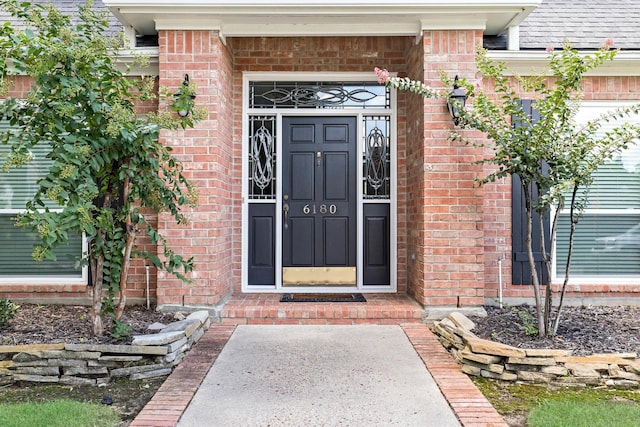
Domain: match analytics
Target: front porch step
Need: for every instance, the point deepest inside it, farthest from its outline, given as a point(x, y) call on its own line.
point(387, 309)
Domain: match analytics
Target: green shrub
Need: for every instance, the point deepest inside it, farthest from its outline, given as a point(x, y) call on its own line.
point(120, 330)
point(7, 310)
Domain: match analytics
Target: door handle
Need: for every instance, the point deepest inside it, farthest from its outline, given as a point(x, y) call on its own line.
point(285, 209)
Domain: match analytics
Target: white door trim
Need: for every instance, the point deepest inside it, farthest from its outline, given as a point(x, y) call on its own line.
point(350, 112)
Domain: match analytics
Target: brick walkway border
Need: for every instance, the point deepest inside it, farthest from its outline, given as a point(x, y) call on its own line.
point(469, 404)
point(172, 398)
point(175, 394)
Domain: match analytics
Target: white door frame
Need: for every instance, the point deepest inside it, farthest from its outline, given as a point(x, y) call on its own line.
point(359, 113)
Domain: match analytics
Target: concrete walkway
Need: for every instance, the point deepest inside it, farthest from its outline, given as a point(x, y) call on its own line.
point(362, 375)
point(359, 375)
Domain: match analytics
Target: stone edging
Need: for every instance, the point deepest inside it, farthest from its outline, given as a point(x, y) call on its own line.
point(148, 356)
point(489, 359)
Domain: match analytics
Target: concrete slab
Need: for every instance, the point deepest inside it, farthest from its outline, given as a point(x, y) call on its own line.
point(318, 376)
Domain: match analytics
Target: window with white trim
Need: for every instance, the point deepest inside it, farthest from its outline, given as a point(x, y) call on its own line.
point(17, 187)
point(607, 240)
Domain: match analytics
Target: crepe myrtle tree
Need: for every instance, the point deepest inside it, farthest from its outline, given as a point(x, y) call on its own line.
point(554, 156)
point(107, 166)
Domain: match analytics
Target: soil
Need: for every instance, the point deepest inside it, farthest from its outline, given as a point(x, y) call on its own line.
point(585, 330)
point(50, 324)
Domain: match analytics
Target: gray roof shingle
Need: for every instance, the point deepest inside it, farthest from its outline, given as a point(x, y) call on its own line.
point(585, 23)
point(68, 7)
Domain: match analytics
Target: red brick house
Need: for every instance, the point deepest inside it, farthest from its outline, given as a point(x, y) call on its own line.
point(314, 178)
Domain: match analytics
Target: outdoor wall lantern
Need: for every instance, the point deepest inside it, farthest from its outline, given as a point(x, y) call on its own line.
point(184, 99)
point(456, 101)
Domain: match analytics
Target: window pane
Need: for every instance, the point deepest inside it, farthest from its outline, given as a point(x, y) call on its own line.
point(616, 184)
point(262, 157)
point(376, 161)
point(18, 185)
point(606, 245)
point(16, 247)
point(607, 241)
point(318, 95)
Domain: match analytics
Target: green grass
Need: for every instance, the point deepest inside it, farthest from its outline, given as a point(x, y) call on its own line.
point(573, 413)
point(58, 413)
point(519, 400)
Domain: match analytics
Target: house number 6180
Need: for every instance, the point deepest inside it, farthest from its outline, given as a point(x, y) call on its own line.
point(311, 209)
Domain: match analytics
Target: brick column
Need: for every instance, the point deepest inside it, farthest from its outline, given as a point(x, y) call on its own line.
point(446, 207)
point(206, 153)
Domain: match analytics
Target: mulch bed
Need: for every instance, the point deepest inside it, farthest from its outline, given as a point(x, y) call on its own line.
point(585, 330)
point(51, 324)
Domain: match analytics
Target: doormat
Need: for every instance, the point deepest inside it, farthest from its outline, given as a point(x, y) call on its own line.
point(322, 298)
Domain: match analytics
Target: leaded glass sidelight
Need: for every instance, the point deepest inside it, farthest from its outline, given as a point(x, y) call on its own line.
point(262, 157)
point(376, 161)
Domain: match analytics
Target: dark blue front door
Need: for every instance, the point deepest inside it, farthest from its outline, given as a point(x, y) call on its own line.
point(319, 200)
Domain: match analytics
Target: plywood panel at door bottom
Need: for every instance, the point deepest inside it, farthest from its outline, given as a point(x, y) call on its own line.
point(320, 276)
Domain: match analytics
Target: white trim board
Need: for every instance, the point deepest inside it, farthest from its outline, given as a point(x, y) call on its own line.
point(279, 113)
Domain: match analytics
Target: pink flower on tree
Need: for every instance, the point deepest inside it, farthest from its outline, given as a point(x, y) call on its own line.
point(549, 49)
point(608, 43)
point(383, 75)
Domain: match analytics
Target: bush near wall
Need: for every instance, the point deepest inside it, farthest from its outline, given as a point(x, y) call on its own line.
point(489, 359)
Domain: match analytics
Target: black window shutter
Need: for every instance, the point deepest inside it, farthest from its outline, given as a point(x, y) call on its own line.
point(520, 263)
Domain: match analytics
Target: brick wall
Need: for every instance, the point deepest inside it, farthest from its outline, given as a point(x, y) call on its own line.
point(322, 54)
point(414, 172)
point(452, 236)
point(207, 155)
point(450, 232)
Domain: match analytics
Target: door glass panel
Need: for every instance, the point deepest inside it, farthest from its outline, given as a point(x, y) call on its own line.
point(262, 157)
point(376, 161)
point(318, 95)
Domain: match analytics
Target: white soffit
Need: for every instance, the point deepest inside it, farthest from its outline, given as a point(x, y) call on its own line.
point(298, 17)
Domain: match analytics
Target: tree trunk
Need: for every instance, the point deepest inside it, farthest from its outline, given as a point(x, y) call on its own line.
point(546, 259)
point(96, 298)
point(567, 267)
point(126, 261)
point(97, 262)
point(532, 265)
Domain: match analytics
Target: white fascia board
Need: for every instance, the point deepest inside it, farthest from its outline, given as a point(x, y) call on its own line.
point(255, 18)
point(322, 3)
point(127, 61)
point(454, 22)
point(195, 23)
point(320, 29)
point(626, 63)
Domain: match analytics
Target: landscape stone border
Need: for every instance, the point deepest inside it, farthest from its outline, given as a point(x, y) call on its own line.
point(485, 358)
point(148, 356)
